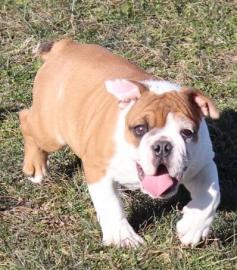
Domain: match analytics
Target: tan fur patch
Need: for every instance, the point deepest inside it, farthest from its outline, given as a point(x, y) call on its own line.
point(85, 115)
point(152, 110)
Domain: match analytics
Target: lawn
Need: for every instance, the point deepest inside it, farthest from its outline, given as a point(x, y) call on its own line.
point(53, 225)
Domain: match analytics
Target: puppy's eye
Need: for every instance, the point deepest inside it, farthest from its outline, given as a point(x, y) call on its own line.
point(186, 133)
point(140, 130)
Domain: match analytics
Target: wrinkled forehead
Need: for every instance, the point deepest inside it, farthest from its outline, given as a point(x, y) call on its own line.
point(173, 124)
point(153, 110)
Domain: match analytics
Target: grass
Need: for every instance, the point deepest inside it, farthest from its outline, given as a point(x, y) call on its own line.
point(53, 225)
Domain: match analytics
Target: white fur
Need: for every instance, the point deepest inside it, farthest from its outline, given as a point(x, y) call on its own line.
point(123, 167)
point(115, 227)
point(199, 213)
point(37, 179)
point(202, 181)
point(161, 87)
point(171, 132)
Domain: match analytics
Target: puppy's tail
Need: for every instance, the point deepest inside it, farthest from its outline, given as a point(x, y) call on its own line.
point(44, 50)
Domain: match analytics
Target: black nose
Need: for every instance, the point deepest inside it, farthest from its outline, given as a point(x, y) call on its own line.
point(162, 148)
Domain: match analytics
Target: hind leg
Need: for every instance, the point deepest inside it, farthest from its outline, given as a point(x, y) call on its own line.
point(35, 158)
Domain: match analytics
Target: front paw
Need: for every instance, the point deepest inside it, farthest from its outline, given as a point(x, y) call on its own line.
point(193, 227)
point(122, 235)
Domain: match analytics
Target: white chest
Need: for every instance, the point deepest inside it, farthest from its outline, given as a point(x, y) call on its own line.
point(123, 170)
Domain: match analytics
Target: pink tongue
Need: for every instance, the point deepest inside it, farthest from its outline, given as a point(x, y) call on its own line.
point(156, 185)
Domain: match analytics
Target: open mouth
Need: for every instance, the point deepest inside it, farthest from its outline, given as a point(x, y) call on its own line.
point(157, 185)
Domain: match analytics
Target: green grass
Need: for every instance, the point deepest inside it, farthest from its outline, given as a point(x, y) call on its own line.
point(53, 225)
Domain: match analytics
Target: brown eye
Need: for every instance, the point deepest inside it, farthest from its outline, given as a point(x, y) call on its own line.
point(187, 133)
point(140, 130)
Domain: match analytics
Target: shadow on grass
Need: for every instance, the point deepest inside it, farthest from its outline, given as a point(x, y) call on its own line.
point(224, 136)
point(4, 112)
point(71, 168)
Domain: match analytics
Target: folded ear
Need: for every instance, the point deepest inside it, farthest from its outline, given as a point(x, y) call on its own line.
point(123, 90)
point(206, 105)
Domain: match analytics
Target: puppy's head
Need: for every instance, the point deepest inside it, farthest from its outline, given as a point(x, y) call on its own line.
point(164, 130)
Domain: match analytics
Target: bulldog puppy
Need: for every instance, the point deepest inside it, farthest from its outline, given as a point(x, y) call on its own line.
point(127, 126)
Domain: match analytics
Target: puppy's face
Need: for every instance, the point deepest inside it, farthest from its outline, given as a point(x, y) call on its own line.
point(163, 128)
